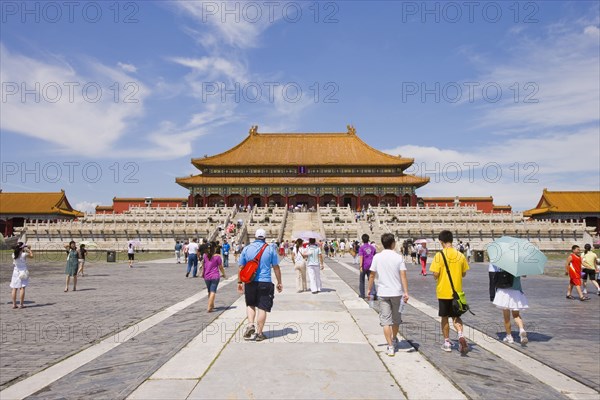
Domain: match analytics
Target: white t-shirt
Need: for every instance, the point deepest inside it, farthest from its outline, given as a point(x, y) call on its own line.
point(342, 246)
point(193, 248)
point(492, 268)
point(313, 253)
point(20, 262)
point(298, 255)
point(388, 265)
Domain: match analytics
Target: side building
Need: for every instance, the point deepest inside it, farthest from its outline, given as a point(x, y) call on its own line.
point(579, 206)
point(16, 208)
point(302, 169)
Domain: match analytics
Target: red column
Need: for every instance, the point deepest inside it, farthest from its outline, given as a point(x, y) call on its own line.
point(8, 227)
point(378, 200)
point(266, 201)
point(337, 198)
point(287, 201)
point(245, 201)
point(398, 201)
point(191, 200)
point(318, 201)
point(358, 205)
point(226, 199)
point(204, 200)
point(413, 200)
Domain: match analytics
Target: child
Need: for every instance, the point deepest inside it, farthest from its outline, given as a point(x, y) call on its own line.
point(573, 269)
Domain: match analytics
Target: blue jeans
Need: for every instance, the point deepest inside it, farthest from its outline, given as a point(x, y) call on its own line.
point(192, 261)
point(361, 286)
point(211, 285)
point(226, 260)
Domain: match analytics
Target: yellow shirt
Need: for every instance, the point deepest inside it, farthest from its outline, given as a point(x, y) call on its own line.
point(457, 263)
point(590, 258)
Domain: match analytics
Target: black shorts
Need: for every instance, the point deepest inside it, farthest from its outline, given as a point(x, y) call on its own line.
point(445, 308)
point(589, 273)
point(260, 294)
point(413, 255)
point(130, 256)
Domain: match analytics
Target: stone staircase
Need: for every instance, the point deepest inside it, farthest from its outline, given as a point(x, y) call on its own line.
point(242, 234)
point(300, 221)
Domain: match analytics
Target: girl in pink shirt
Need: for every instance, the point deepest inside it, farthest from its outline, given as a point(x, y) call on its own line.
point(212, 271)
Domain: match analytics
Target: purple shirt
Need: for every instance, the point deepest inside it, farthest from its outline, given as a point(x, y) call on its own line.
point(211, 267)
point(367, 251)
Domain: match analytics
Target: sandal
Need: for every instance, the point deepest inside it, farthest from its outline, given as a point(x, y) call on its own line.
point(15, 306)
point(584, 298)
point(570, 297)
point(22, 306)
point(66, 290)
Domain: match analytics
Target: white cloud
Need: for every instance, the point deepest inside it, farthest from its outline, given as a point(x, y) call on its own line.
point(592, 31)
point(127, 67)
point(513, 170)
point(553, 144)
point(235, 28)
point(86, 206)
point(226, 37)
point(212, 69)
point(562, 72)
point(81, 113)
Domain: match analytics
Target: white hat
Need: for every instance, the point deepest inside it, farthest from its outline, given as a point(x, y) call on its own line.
point(260, 234)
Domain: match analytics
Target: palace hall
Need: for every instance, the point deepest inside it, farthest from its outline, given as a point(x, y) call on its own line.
point(302, 169)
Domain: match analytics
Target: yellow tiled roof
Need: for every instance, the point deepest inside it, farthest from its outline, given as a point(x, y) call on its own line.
point(303, 149)
point(37, 203)
point(567, 202)
point(302, 180)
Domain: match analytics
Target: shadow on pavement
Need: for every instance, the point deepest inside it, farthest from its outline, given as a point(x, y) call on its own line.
point(32, 304)
point(280, 333)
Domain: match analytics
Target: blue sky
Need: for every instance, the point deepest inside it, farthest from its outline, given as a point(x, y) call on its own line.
point(114, 99)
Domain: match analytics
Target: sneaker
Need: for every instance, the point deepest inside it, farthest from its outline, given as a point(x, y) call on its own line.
point(523, 336)
point(249, 332)
point(188, 274)
point(391, 351)
point(260, 337)
point(395, 342)
point(508, 339)
point(463, 347)
point(584, 291)
point(447, 346)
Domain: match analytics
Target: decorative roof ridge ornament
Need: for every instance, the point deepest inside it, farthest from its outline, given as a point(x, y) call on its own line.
point(351, 129)
point(253, 130)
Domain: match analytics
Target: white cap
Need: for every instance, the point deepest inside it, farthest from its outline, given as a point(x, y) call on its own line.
point(260, 234)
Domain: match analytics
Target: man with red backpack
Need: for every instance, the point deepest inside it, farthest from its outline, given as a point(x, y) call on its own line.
point(259, 289)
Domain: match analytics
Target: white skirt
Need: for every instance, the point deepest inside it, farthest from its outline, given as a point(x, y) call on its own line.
point(17, 283)
point(510, 299)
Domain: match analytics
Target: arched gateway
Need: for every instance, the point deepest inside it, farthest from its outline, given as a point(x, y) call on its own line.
point(303, 168)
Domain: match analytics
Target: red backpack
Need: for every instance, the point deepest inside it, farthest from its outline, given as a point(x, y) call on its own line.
point(248, 271)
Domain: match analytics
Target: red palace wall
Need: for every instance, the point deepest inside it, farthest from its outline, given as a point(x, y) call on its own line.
point(487, 206)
